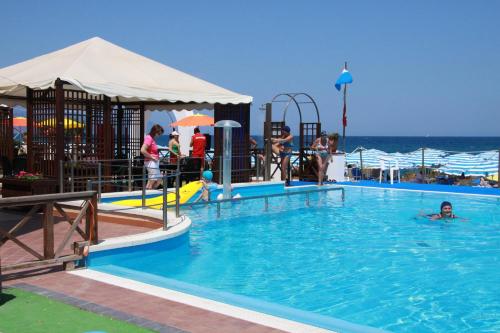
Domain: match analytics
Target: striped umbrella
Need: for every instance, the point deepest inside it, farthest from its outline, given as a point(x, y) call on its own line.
point(371, 157)
point(491, 155)
point(402, 159)
point(432, 157)
point(469, 165)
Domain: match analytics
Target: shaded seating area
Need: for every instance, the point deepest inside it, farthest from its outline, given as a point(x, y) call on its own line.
point(86, 110)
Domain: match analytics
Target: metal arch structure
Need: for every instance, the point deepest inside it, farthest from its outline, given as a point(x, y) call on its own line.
point(309, 131)
point(292, 98)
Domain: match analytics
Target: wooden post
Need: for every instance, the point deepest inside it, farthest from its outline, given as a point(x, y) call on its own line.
point(59, 156)
point(29, 127)
point(141, 125)
point(93, 207)
point(48, 231)
point(119, 131)
point(91, 228)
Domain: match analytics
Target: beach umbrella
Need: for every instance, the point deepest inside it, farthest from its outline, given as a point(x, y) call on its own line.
point(345, 78)
point(469, 165)
point(464, 159)
point(402, 159)
point(432, 157)
point(470, 170)
point(194, 120)
point(68, 123)
point(371, 158)
point(19, 122)
point(491, 155)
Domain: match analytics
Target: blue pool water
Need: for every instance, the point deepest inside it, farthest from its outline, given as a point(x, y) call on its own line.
point(369, 260)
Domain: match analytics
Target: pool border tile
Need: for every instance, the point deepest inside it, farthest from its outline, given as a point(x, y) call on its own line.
point(202, 303)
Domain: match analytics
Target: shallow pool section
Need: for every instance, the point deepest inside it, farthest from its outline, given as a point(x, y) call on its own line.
point(369, 260)
point(240, 189)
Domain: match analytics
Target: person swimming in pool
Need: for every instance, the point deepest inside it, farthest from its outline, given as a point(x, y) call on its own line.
point(446, 212)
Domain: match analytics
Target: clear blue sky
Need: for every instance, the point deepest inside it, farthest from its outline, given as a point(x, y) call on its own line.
point(419, 67)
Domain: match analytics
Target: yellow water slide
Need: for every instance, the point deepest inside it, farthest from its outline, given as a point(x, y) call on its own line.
point(186, 192)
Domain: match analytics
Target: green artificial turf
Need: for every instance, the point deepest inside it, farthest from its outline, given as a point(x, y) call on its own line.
point(25, 312)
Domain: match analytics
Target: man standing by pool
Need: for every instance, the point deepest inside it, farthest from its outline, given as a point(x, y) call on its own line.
point(198, 142)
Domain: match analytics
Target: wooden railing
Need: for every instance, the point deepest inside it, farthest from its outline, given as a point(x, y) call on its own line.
point(48, 203)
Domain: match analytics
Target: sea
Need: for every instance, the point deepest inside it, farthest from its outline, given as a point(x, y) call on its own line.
point(402, 144)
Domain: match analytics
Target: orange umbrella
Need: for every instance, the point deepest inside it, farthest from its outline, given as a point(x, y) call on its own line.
point(19, 122)
point(194, 120)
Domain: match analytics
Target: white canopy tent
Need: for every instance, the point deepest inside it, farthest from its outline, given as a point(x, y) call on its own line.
point(100, 67)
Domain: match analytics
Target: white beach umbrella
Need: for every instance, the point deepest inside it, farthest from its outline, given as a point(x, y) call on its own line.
point(432, 157)
point(371, 157)
point(491, 155)
point(469, 165)
point(402, 160)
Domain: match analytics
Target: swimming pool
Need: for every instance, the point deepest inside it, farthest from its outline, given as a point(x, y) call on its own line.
point(368, 260)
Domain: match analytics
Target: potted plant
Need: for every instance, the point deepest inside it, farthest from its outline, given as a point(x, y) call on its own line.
point(26, 183)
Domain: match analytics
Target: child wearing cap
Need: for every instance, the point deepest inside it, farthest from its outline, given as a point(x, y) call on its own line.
point(208, 186)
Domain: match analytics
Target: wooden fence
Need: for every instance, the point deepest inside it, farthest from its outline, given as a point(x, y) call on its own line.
point(52, 254)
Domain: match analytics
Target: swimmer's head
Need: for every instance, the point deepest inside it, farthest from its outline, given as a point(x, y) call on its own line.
point(446, 208)
point(208, 175)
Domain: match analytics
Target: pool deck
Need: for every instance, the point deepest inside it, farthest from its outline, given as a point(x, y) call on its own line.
point(141, 309)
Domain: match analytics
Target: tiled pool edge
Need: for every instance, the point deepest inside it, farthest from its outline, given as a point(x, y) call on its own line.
point(211, 305)
point(430, 188)
point(143, 238)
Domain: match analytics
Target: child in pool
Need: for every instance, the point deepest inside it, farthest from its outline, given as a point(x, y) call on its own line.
point(208, 186)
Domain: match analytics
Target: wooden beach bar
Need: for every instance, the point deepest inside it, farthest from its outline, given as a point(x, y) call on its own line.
point(87, 103)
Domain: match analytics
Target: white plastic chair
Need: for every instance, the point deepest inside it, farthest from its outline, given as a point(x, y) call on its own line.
point(393, 165)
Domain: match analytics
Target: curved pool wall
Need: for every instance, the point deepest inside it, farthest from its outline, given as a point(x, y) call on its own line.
point(104, 261)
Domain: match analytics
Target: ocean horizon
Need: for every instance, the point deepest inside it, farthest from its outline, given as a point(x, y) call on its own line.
point(403, 144)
